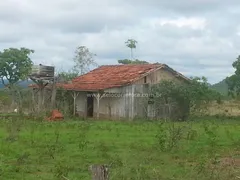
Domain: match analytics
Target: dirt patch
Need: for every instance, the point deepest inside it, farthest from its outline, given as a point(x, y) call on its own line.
point(230, 161)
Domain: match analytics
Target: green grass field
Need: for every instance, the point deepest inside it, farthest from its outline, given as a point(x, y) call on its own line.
point(206, 149)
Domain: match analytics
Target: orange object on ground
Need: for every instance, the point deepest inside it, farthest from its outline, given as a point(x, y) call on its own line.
point(56, 115)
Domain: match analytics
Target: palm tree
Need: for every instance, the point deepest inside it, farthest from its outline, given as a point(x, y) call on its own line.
point(131, 43)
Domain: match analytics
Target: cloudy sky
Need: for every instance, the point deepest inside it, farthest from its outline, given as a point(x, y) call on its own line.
point(195, 37)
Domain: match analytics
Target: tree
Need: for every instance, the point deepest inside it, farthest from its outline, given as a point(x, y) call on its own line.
point(67, 76)
point(83, 60)
point(128, 61)
point(191, 97)
point(233, 81)
point(15, 65)
point(131, 43)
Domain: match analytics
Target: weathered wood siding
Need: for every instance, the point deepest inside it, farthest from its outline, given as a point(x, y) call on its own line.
point(159, 76)
point(126, 102)
point(117, 103)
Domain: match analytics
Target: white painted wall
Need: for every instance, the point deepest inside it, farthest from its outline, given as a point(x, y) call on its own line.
point(81, 101)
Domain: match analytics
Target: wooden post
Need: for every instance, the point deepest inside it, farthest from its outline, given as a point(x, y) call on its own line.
point(99, 172)
point(98, 104)
point(54, 93)
point(74, 103)
point(33, 101)
point(40, 96)
point(43, 98)
point(85, 108)
point(98, 97)
point(74, 95)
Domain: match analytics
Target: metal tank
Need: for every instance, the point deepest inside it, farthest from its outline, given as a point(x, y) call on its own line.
point(42, 71)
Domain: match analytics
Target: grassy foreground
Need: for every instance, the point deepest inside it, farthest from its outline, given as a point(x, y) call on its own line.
point(142, 150)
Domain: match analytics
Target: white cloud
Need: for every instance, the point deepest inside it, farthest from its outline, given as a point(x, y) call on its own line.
point(194, 23)
point(197, 37)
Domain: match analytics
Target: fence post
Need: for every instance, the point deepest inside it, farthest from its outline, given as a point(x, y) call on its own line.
point(99, 172)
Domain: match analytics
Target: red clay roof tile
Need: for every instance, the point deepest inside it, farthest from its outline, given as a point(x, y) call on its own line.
point(111, 76)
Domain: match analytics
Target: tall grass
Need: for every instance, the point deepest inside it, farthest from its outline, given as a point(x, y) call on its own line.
point(132, 150)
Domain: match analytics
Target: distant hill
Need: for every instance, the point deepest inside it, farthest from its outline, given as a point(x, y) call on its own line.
point(221, 87)
point(23, 84)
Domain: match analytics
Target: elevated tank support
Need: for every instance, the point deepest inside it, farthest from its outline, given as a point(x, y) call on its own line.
point(43, 76)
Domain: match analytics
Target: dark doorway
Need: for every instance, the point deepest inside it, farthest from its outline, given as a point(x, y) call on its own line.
point(90, 104)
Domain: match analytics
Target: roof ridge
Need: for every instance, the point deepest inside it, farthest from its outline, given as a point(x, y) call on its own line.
point(132, 64)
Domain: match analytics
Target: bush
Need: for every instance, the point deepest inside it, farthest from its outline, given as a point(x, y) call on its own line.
point(183, 99)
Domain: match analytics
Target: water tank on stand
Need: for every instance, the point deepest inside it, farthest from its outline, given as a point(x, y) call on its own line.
point(42, 71)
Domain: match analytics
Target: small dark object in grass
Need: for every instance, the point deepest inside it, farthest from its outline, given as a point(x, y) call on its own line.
point(11, 139)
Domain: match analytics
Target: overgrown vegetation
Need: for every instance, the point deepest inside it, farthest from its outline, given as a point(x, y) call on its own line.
point(128, 61)
point(204, 150)
point(183, 99)
point(233, 81)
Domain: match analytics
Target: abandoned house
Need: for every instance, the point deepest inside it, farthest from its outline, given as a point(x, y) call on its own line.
point(119, 91)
